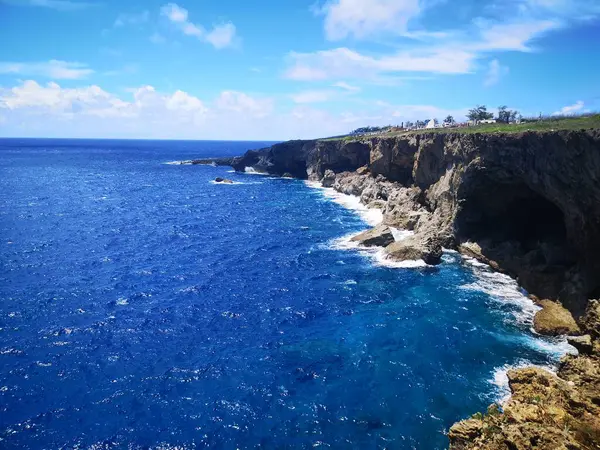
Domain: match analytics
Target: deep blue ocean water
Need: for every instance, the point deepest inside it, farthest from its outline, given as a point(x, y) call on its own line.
point(143, 306)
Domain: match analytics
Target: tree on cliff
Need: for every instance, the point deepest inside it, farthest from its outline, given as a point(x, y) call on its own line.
point(506, 115)
point(480, 112)
point(449, 120)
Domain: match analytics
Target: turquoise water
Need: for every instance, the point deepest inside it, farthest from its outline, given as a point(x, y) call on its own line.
point(143, 306)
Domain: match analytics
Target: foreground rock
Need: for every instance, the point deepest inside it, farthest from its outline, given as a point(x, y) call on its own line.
point(328, 179)
point(415, 248)
point(545, 411)
point(380, 236)
point(554, 320)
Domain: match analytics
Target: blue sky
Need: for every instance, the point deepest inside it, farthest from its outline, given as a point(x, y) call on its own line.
point(202, 69)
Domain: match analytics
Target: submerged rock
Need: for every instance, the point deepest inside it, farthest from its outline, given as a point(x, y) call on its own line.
point(380, 236)
point(554, 320)
point(223, 180)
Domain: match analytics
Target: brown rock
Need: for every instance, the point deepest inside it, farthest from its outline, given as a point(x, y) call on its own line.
point(544, 412)
point(379, 236)
point(591, 319)
point(465, 431)
point(583, 344)
point(415, 248)
point(554, 320)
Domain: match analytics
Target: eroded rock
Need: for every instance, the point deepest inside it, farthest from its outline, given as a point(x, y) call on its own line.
point(415, 248)
point(328, 179)
point(583, 344)
point(380, 236)
point(554, 320)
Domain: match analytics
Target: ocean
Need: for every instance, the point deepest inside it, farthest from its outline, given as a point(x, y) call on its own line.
point(144, 306)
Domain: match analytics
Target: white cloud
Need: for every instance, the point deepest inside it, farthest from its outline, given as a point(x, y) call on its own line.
point(54, 101)
point(220, 36)
point(242, 103)
point(145, 112)
point(51, 96)
point(363, 18)
point(454, 54)
point(184, 102)
point(343, 62)
point(346, 86)
point(512, 36)
point(495, 72)
point(571, 109)
point(58, 70)
point(174, 13)
point(132, 19)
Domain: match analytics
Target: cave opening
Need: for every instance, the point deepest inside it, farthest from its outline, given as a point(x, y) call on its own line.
point(518, 228)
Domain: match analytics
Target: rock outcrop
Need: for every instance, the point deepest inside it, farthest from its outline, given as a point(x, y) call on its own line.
point(380, 236)
point(554, 320)
point(415, 248)
point(546, 410)
point(516, 197)
point(223, 180)
point(527, 204)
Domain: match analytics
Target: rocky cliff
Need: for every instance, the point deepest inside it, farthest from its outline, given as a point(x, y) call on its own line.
point(526, 203)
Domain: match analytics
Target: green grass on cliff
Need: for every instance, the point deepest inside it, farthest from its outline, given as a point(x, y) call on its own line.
point(552, 123)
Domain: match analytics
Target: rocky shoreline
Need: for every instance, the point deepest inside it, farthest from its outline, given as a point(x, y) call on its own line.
point(528, 205)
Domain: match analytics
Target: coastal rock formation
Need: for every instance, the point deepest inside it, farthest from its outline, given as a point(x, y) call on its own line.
point(516, 197)
point(546, 410)
point(554, 320)
point(415, 248)
point(328, 179)
point(527, 204)
point(380, 236)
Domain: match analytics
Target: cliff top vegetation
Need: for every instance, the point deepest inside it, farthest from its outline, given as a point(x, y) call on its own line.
point(541, 124)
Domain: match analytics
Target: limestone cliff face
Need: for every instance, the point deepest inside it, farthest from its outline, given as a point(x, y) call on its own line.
point(529, 202)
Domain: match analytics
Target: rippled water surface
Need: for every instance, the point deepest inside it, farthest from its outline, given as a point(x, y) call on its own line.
point(143, 306)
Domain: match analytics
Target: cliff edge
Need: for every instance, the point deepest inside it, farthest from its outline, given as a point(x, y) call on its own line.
point(527, 204)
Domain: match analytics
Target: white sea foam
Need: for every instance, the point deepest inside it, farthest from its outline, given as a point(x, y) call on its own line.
point(376, 254)
point(229, 184)
point(400, 235)
point(179, 163)
point(371, 216)
point(502, 288)
point(382, 260)
point(253, 171)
